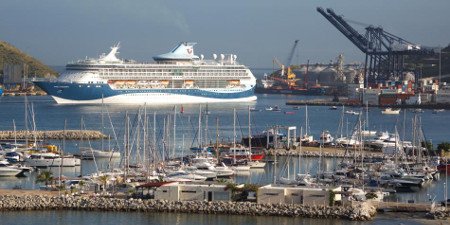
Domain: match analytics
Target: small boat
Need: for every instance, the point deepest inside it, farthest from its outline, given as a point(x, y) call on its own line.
point(289, 113)
point(8, 171)
point(418, 110)
point(276, 109)
point(333, 108)
point(273, 109)
point(390, 111)
point(351, 112)
point(90, 153)
point(438, 111)
point(253, 109)
point(51, 160)
point(296, 107)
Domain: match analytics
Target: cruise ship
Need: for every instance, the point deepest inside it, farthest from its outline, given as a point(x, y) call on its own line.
point(176, 77)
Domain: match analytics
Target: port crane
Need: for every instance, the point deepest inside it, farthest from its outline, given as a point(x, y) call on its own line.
point(385, 52)
point(287, 76)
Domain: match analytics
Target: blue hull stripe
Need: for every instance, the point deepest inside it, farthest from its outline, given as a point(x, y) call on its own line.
point(80, 92)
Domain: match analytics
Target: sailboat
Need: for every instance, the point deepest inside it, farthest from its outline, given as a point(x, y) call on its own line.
point(251, 163)
point(91, 153)
point(306, 139)
point(234, 149)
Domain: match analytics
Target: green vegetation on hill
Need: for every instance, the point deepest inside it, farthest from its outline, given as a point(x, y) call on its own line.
point(11, 55)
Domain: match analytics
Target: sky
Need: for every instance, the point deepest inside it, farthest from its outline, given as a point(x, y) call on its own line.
point(60, 31)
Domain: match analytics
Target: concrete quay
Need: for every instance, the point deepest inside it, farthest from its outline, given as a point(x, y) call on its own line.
point(327, 102)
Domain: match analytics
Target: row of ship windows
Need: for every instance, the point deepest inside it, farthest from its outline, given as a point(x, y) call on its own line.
point(179, 92)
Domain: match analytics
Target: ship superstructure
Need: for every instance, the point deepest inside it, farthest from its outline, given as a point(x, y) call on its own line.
point(179, 76)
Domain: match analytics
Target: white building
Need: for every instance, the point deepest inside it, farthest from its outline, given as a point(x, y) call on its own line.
point(274, 194)
point(193, 192)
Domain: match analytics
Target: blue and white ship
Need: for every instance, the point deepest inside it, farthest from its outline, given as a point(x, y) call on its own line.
point(179, 76)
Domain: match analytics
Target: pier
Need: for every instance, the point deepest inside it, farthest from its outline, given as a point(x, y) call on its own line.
point(51, 134)
point(329, 102)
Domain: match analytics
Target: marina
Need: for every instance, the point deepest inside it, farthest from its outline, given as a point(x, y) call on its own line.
point(292, 113)
point(279, 162)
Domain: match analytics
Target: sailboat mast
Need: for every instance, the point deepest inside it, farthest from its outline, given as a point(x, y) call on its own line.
point(127, 150)
point(26, 121)
point(144, 141)
point(154, 139)
point(249, 133)
point(199, 136)
point(217, 139)
point(15, 134)
point(174, 130)
point(234, 135)
point(306, 120)
point(102, 121)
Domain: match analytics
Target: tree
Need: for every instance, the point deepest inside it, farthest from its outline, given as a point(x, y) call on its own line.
point(44, 177)
point(103, 181)
point(444, 146)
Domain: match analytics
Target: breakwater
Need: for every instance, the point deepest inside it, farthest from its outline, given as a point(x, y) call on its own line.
point(52, 134)
point(358, 211)
point(327, 153)
point(329, 102)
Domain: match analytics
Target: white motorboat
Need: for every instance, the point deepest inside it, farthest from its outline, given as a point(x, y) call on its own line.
point(181, 175)
point(90, 153)
point(49, 159)
point(390, 111)
point(256, 164)
point(326, 137)
point(8, 171)
point(351, 112)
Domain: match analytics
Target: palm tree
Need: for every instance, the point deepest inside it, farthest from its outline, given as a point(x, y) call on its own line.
point(44, 177)
point(103, 181)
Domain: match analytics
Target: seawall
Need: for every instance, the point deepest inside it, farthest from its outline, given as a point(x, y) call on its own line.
point(360, 211)
point(52, 134)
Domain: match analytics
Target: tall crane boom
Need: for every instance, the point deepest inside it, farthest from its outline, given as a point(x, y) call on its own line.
point(384, 51)
point(291, 54)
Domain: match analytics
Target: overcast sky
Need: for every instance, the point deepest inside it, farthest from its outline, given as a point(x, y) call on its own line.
point(58, 31)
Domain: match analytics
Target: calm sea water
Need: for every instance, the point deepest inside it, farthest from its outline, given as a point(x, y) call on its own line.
point(82, 218)
point(49, 115)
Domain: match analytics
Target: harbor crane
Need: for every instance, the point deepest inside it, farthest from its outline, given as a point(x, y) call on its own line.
point(287, 76)
point(291, 54)
point(385, 52)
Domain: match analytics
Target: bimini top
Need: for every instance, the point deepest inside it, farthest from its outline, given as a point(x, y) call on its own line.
point(184, 51)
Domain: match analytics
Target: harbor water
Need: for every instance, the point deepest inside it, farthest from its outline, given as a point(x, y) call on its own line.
point(50, 116)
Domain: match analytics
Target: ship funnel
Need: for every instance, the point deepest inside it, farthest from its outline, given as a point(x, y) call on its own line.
point(214, 56)
point(222, 56)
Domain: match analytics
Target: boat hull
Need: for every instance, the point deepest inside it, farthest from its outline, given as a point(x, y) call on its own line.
point(55, 162)
point(77, 93)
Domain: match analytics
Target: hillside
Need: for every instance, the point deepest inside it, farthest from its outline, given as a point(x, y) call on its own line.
point(11, 55)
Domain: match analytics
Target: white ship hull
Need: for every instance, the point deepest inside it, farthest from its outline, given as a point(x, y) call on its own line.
point(159, 99)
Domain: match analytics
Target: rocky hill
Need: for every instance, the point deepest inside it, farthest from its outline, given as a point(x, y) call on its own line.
point(12, 55)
